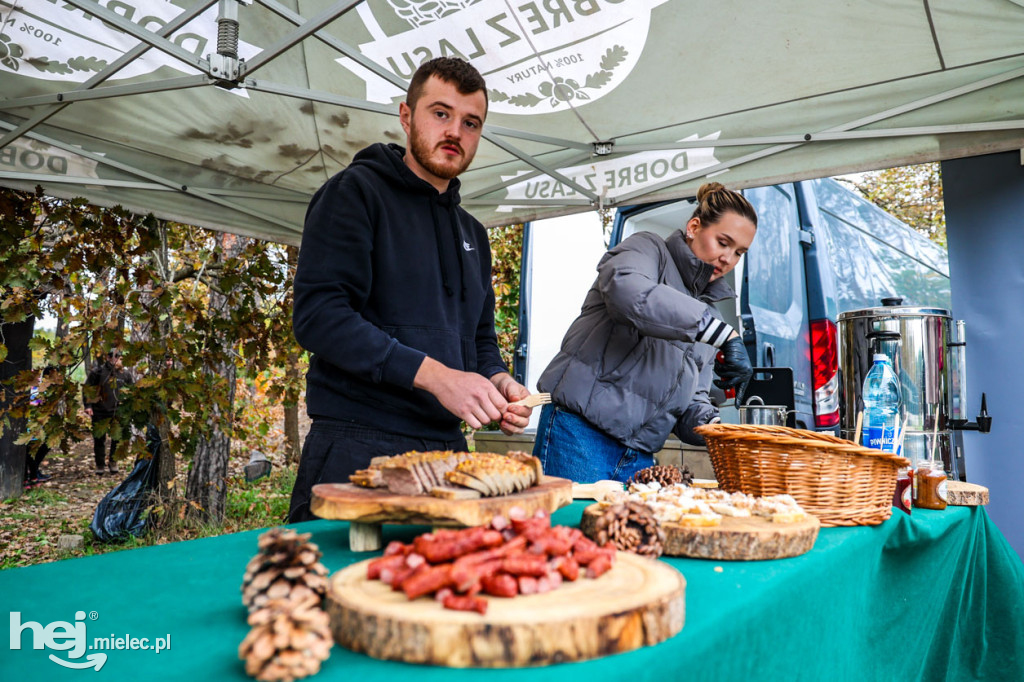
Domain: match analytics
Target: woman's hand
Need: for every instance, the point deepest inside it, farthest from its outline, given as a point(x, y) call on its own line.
point(733, 365)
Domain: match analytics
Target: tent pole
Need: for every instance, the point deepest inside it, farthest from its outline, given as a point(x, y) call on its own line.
point(356, 56)
point(184, 189)
point(551, 172)
point(829, 137)
point(152, 39)
point(866, 120)
point(111, 69)
point(527, 202)
point(339, 100)
point(42, 179)
point(339, 45)
point(302, 32)
point(162, 85)
point(318, 96)
point(520, 178)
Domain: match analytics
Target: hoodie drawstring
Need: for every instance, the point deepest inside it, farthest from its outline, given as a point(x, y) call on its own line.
point(457, 238)
point(440, 254)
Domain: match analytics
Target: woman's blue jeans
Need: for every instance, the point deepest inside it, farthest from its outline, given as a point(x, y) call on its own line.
point(568, 446)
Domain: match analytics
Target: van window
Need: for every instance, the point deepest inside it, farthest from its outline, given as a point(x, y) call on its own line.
point(844, 204)
point(874, 255)
point(773, 290)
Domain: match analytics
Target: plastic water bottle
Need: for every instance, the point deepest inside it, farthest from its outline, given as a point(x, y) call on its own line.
point(881, 406)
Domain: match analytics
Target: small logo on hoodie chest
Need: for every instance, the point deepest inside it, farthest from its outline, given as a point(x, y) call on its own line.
point(467, 246)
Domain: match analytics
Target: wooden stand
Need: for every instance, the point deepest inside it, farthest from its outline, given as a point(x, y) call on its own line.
point(736, 539)
point(368, 508)
point(637, 603)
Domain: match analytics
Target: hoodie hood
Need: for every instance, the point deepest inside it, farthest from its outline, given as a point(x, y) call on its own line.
point(386, 161)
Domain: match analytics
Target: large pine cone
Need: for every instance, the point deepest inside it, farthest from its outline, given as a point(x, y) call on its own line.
point(665, 474)
point(286, 567)
point(631, 527)
point(289, 640)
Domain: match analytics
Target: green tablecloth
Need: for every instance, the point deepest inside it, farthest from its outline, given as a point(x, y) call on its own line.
point(935, 596)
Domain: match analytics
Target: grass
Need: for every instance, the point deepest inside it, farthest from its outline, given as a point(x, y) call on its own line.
point(30, 525)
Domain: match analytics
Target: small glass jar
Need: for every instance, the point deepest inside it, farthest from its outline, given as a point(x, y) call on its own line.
point(901, 499)
point(931, 485)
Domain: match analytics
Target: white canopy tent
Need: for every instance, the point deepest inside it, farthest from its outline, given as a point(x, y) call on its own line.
point(231, 113)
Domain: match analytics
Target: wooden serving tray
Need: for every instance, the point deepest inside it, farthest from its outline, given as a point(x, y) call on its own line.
point(637, 603)
point(368, 508)
point(736, 539)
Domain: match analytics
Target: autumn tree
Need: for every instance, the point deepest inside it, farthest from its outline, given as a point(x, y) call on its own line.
point(506, 262)
point(911, 193)
point(187, 307)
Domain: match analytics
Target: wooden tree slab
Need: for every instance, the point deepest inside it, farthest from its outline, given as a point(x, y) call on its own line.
point(637, 603)
point(736, 539)
point(961, 494)
point(366, 508)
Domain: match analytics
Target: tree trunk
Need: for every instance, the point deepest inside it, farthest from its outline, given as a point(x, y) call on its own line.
point(15, 336)
point(292, 443)
point(159, 327)
point(62, 326)
point(207, 479)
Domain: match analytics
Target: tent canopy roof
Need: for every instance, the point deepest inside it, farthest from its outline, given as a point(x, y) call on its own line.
point(593, 103)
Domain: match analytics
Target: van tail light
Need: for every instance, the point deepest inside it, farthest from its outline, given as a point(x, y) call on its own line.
point(825, 361)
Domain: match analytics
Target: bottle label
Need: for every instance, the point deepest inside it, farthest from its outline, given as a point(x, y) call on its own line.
point(941, 491)
point(879, 438)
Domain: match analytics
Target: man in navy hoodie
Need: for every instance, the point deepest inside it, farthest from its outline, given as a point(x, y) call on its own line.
point(393, 295)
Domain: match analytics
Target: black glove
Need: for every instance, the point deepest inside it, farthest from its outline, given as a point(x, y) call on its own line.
point(732, 365)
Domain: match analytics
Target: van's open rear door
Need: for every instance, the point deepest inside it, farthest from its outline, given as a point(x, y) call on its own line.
point(773, 294)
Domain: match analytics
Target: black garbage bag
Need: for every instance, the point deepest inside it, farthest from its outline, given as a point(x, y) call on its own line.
point(121, 512)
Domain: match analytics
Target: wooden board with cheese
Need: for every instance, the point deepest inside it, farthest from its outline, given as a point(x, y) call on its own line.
point(733, 539)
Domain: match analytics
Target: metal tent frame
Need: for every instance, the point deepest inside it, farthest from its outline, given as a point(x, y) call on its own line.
point(531, 149)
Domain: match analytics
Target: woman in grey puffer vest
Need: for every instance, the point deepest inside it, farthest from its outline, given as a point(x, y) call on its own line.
point(637, 363)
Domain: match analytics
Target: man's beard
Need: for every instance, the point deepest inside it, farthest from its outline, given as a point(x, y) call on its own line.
point(423, 155)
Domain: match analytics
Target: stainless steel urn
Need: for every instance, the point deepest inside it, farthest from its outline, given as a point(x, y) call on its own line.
point(926, 350)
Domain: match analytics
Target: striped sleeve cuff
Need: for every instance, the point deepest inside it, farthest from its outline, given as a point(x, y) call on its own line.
point(715, 334)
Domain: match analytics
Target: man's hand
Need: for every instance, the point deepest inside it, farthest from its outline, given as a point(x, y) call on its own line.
point(88, 412)
point(515, 418)
point(467, 395)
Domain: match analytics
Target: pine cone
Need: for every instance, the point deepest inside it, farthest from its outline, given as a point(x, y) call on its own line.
point(289, 640)
point(665, 474)
point(286, 567)
point(631, 527)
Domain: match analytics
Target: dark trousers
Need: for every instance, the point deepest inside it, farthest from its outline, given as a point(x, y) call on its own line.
point(34, 459)
point(99, 443)
point(335, 450)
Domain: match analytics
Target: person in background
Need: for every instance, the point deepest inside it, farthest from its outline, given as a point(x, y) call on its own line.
point(37, 447)
point(101, 395)
point(636, 365)
point(393, 295)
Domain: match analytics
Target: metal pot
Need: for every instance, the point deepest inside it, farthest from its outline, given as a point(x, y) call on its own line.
point(761, 414)
point(916, 340)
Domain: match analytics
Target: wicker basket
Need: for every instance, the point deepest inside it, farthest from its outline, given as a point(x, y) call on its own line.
point(840, 482)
